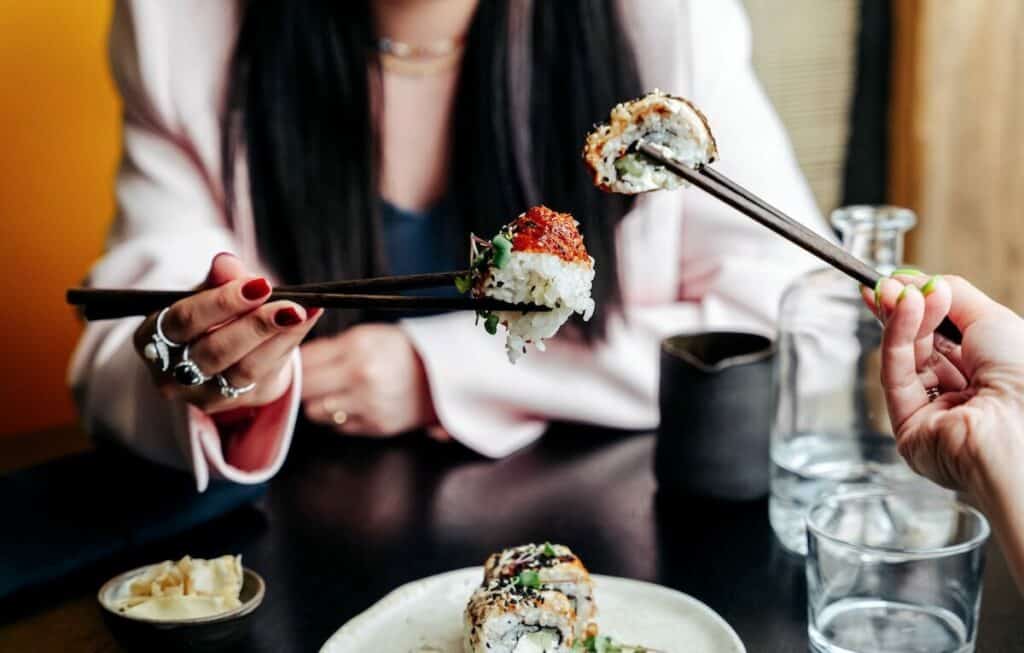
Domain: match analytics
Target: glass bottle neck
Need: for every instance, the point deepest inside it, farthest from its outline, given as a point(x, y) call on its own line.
point(882, 249)
point(874, 234)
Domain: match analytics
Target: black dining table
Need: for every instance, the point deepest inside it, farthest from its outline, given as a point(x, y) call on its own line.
point(349, 520)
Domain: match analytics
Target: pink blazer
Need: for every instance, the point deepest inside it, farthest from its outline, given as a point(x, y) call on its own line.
point(688, 263)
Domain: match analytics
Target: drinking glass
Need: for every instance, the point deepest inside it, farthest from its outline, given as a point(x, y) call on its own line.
point(893, 572)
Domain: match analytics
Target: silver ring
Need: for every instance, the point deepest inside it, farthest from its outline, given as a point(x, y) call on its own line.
point(933, 393)
point(159, 350)
point(187, 373)
point(159, 332)
point(229, 391)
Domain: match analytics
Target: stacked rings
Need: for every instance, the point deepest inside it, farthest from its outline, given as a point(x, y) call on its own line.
point(186, 372)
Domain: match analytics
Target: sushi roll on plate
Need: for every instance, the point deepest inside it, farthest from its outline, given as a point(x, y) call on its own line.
point(527, 599)
point(553, 566)
point(665, 121)
point(540, 259)
point(535, 598)
point(503, 616)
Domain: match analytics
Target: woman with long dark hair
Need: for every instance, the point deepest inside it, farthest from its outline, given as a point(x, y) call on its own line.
point(318, 139)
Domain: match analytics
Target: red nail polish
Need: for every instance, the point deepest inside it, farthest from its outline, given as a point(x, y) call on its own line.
point(314, 313)
point(256, 289)
point(287, 317)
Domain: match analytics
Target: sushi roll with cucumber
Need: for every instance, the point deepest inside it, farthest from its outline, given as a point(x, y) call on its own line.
point(552, 566)
point(665, 121)
point(504, 616)
point(540, 259)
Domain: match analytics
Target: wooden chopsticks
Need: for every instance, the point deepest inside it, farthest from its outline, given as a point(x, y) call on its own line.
point(106, 304)
point(724, 189)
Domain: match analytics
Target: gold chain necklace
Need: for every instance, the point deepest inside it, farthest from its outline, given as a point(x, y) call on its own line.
point(414, 68)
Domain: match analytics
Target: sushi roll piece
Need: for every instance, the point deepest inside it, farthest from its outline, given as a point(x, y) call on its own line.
point(549, 566)
point(669, 122)
point(504, 616)
point(540, 259)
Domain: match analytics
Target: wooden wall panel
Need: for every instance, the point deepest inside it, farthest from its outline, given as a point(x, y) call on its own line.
point(958, 140)
point(804, 54)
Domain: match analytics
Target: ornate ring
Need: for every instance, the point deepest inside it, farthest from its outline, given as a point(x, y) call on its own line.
point(158, 351)
point(187, 373)
point(229, 391)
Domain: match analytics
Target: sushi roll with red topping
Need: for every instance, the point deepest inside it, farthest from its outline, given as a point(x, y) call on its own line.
point(540, 259)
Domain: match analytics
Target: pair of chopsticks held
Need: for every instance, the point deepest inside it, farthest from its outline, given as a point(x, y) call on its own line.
point(98, 304)
point(106, 304)
point(729, 192)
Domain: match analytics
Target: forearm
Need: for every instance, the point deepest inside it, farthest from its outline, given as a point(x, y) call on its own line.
point(1011, 539)
point(118, 401)
point(1005, 510)
point(998, 487)
point(495, 407)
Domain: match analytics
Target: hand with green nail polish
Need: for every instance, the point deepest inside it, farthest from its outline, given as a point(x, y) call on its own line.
point(958, 411)
point(929, 286)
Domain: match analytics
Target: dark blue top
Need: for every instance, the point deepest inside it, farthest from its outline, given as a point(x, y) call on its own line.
point(428, 241)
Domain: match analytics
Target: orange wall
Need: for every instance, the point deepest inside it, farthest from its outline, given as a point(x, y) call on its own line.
point(58, 152)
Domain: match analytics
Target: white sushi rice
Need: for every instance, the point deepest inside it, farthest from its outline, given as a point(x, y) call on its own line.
point(545, 280)
point(534, 631)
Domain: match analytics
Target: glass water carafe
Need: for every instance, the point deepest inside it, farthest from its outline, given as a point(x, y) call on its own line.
point(831, 428)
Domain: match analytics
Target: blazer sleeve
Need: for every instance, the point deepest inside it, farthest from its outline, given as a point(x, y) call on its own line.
point(170, 222)
point(726, 272)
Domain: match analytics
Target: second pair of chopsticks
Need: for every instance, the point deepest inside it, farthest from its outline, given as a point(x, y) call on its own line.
point(721, 187)
point(106, 304)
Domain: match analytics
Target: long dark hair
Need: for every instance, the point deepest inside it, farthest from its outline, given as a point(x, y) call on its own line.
point(536, 74)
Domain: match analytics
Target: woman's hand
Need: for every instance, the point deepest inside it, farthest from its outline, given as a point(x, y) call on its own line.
point(231, 330)
point(970, 432)
point(368, 380)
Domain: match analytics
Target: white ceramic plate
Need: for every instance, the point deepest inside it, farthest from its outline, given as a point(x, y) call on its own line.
point(425, 616)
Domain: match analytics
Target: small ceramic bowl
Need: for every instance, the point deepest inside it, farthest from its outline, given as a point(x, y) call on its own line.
point(197, 635)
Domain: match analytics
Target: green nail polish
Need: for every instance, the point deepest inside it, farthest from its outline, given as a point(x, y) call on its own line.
point(878, 292)
point(907, 272)
point(929, 287)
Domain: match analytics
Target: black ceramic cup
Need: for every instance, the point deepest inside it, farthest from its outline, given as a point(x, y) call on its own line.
point(716, 400)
